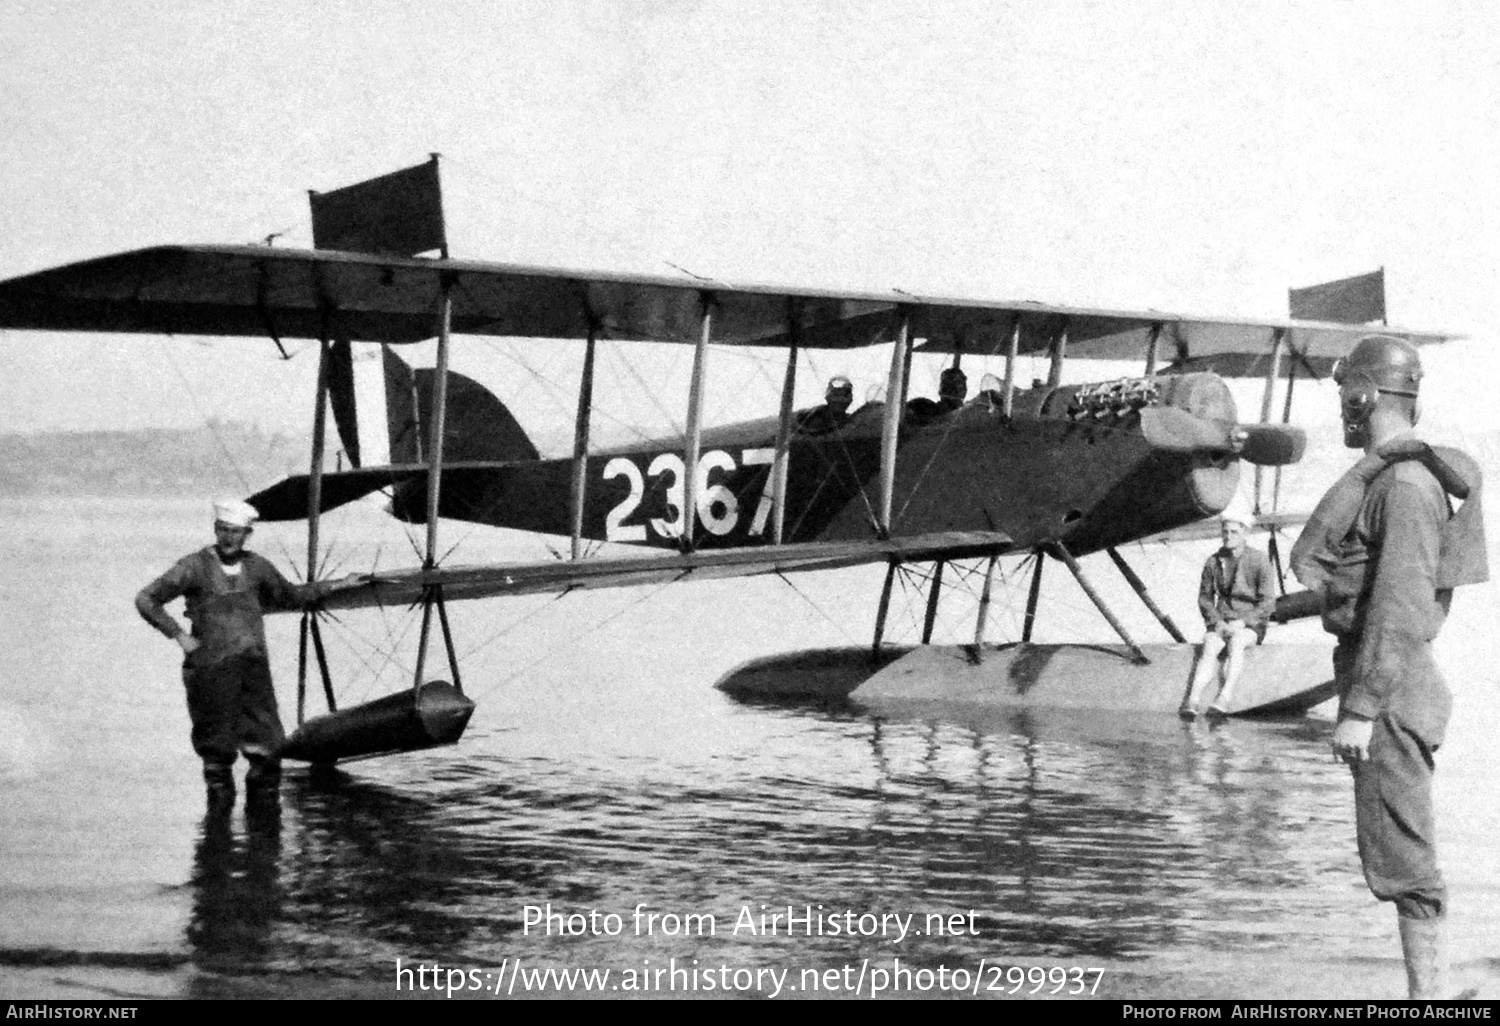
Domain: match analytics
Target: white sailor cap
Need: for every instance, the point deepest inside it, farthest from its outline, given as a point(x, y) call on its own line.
point(1237, 512)
point(235, 513)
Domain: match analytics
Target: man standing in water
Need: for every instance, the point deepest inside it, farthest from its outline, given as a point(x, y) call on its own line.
point(1386, 551)
point(230, 697)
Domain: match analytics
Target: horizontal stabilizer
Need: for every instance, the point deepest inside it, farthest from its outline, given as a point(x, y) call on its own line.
point(405, 587)
point(287, 499)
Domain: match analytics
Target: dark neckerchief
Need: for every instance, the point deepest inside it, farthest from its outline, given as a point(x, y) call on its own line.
point(1226, 568)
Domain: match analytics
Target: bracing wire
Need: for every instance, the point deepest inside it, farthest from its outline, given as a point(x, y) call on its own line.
point(573, 640)
point(649, 393)
point(816, 608)
point(228, 456)
point(343, 635)
point(507, 628)
point(512, 189)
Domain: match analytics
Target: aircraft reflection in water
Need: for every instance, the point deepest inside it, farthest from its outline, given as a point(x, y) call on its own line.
point(1067, 837)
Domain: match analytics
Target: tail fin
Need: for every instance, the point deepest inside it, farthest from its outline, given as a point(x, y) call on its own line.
point(478, 426)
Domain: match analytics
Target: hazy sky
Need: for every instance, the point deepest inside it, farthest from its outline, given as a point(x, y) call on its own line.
point(1191, 156)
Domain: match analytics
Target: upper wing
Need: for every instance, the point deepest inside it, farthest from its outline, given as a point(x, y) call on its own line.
point(287, 293)
point(405, 587)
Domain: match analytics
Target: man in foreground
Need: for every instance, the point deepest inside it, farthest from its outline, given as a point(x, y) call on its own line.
point(230, 696)
point(1385, 549)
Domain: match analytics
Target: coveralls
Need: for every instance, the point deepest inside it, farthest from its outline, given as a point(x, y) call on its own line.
point(1383, 602)
point(231, 700)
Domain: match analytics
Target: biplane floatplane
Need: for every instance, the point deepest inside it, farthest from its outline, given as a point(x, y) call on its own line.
point(1048, 470)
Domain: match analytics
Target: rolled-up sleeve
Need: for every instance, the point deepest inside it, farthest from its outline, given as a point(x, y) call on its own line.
point(276, 592)
point(151, 600)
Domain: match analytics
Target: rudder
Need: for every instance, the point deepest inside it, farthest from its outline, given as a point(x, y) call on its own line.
point(478, 425)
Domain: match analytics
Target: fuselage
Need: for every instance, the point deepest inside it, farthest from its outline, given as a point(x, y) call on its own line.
point(1069, 464)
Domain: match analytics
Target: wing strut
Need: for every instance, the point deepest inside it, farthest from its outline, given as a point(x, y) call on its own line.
point(581, 436)
point(1272, 543)
point(784, 424)
point(433, 595)
point(1278, 345)
point(890, 428)
point(315, 472)
point(439, 419)
point(1008, 396)
point(1059, 354)
point(1151, 349)
point(695, 426)
point(310, 625)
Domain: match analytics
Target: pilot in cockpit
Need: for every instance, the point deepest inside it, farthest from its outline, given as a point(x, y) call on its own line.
point(834, 413)
point(953, 388)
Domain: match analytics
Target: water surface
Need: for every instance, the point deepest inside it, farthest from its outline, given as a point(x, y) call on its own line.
point(602, 774)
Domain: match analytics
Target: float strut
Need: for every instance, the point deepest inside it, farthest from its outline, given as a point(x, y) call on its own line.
point(976, 656)
point(1140, 589)
point(317, 640)
point(458, 685)
point(1097, 599)
point(302, 669)
point(885, 605)
point(427, 601)
point(933, 594)
point(1275, 553)
point(1031, 599)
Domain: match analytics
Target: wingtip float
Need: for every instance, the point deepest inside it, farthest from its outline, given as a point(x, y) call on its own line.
point(430, 716)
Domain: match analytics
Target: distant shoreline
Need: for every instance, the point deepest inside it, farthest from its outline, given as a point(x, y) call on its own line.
point(222, 456)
